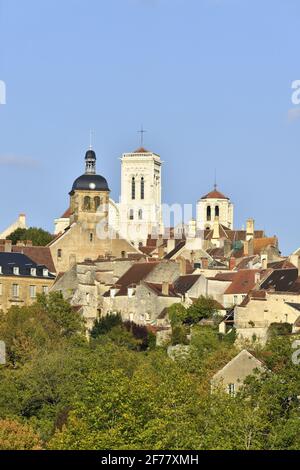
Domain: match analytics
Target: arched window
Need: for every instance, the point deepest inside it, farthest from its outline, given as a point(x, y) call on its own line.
point(133, 188)
point(140, 214)
point(87, 203)
point(142, 188)
point(217, 211)
point(97, 202)
point(131, 214)
point(208, 213)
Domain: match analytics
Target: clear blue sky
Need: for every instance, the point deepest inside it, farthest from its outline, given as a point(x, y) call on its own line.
point(209, 79)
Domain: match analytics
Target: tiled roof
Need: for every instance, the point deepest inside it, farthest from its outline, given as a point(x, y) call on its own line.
point(184, 283)
point(260, 243)
point(243, 282)
point(284, 264)
point(135, 274)
point(245, 262)
point(225, 276)
point(177, 248)
point(157, 288)
point(141, 150)
point(214, 195)
point(66, 214)
point(38, 254)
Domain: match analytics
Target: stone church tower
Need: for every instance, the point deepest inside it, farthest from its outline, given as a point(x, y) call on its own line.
point(86, 235)
point(213, 207)
point(139, 212)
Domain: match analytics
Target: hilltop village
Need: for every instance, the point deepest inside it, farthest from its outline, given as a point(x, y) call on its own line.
point(140, 269)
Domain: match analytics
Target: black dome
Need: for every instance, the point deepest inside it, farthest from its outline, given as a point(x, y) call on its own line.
point(90, 183)
point(90, 154)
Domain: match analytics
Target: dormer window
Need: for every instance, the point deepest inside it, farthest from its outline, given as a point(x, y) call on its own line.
point(16, 271)
point(45, 272)
point(33, 271)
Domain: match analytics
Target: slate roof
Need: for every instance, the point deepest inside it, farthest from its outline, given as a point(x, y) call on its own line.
point(281, 280)
point(157, 289)
point(177, 248)
point(8, 261)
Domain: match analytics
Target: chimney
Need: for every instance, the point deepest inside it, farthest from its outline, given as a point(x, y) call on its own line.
point(192, 229)
point(7, 246)
point(204, 263)
point(216, 230)
point(295, 260)
point(22, 221)
point(182, 264)
point(248, 247)
point(170, 244)
point(165, 288)
point(232, 263)
point(250, 229)
point(227, 248)
point(161, 251)
point(20, 243)
point(257, 278)
point(264, 261)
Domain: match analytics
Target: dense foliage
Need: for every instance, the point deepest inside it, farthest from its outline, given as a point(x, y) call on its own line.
point(59, 391)
point(37, 236)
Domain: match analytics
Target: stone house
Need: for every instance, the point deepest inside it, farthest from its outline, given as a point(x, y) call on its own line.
point(21, 279)
point(232, 377)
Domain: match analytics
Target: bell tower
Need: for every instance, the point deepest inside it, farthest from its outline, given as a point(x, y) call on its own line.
point(140, 202)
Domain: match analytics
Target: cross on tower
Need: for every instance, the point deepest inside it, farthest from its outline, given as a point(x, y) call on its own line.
point(142, 132)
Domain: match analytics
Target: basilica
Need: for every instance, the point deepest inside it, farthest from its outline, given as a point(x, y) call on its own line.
point(138, 213)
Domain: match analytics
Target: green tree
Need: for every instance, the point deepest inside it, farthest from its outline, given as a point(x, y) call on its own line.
point(177, 314)
point(204, 307)
point(38, 236)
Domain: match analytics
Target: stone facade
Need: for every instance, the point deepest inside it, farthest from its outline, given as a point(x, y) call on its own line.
point(231, 378)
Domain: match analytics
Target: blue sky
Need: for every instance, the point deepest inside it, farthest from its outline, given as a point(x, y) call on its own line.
point(209, 79)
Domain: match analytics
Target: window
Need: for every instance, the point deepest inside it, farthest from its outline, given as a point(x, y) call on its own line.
point(15, 290)
point(235, 299)
point(16, 271)
point(0, 269)
point(123, 254)
point(231, 390)
point(32, 292)
point(33, 271)
point(208, 213)
point(142, 188)
point(87, 203)
point(45, 272)
point(140, 214)
point(1, 289)
point(131, 214)
point(45, 290)
point(87, 295)
point(91, 237)
point(141, 245)
point(59, 254)
point(97, 202)
point(133, 188)
point(217, 211)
